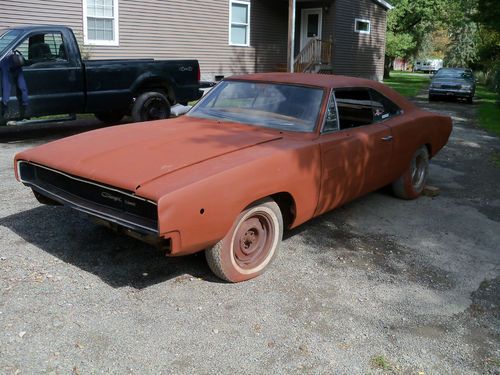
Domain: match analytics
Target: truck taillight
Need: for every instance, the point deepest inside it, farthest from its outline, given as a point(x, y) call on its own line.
point(199, 73)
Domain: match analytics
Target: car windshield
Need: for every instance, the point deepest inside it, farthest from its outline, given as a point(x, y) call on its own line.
point(6, 37)
point(453, 73)
point(271, 105)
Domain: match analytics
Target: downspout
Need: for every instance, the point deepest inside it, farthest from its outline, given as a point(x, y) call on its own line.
point(291, 33)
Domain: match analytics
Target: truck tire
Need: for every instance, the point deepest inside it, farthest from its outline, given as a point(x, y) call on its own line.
point(3, 121)
point(152, 105)
point(109, 117)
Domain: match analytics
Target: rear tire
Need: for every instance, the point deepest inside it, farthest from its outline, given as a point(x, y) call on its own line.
point(251, 244)
point(109, 117)
point(432, 98)
point(152, 105)
point(470, 100)
point(411, 184)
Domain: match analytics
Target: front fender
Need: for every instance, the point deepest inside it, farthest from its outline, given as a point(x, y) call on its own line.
point(208, 197)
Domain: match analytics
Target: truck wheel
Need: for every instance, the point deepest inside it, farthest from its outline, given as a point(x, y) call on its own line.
point(411, 184)
point(250, 246)
point(3, 121)
point(149, 106)
point(109, 117)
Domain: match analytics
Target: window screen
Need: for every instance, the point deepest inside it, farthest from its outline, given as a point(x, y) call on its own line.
point(240, 14)
point(354, 107)
point(100, 20)
point(362, 26)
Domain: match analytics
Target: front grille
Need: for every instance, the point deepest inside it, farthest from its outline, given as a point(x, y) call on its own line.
point(102, 201)
point(451, 87)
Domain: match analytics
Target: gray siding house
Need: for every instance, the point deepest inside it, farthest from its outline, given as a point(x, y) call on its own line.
point(226, 36)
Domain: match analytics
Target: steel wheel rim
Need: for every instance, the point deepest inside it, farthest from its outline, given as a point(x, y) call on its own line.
point(253, 240)
point(154, 109)
point(418, 171)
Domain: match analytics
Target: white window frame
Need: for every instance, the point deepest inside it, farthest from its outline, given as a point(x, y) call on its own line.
point(247, 3)
point(116, 34)
point(356, 20)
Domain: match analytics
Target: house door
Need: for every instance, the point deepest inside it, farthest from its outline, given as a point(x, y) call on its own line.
point(311, 22)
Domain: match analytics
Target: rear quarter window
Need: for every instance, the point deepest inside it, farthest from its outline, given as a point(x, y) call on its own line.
point(383, 108)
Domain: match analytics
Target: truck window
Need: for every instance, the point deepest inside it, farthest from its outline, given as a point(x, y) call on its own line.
point(43, 47)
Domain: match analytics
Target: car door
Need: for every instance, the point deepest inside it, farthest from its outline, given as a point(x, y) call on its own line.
point(53, 77)
point(356, 152)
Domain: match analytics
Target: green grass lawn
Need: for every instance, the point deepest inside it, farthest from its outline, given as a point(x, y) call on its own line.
point(489, 109)
point(407, 84)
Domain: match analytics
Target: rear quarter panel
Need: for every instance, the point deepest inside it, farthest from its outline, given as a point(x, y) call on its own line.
point(414, 129)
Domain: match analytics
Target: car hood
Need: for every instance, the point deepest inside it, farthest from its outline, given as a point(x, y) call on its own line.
point(130, 156)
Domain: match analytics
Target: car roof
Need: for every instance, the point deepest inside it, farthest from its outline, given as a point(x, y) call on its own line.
point(457, 69)
point(326, 81)
point(307, 79)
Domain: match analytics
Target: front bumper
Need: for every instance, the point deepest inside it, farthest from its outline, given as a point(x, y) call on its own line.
point(109, 204)
point(461, 93)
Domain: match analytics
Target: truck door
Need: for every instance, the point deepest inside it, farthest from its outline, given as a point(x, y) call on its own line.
point(54, 78)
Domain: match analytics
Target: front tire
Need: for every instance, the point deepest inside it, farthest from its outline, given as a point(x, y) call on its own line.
point(250, 246)
point(411, 184)
point(150, 106)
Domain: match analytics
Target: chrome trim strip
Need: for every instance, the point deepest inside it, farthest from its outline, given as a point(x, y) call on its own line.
point(90, 211)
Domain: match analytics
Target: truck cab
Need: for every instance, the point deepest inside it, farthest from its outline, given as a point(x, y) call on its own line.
point(58, 81)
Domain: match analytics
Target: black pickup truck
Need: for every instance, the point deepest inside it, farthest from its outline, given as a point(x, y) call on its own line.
point(55, 80)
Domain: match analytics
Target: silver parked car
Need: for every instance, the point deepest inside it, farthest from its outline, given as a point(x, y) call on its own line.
point(454, 82)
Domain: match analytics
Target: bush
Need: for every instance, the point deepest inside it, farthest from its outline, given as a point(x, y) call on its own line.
point(490, 78)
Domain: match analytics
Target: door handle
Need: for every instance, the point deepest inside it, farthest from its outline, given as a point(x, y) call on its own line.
point(388, 138)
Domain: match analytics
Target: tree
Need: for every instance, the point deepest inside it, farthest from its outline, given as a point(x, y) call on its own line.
point(463, 48)
point(408, 24)
point(488, 14)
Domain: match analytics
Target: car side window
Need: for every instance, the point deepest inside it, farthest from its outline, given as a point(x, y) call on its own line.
point(43, 47)
point(331, 121)
point(383, 108)
point(354, 108)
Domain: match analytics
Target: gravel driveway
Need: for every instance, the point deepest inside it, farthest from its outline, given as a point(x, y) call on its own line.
point(379, 285)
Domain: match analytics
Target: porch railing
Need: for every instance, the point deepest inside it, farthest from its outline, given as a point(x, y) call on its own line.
point(315, 53)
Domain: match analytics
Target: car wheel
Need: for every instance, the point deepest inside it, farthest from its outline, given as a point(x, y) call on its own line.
point(411, 184)
point(109, 117)
point(432, 98)
point(250, 246)
point(149, 106)
point(470, 99)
